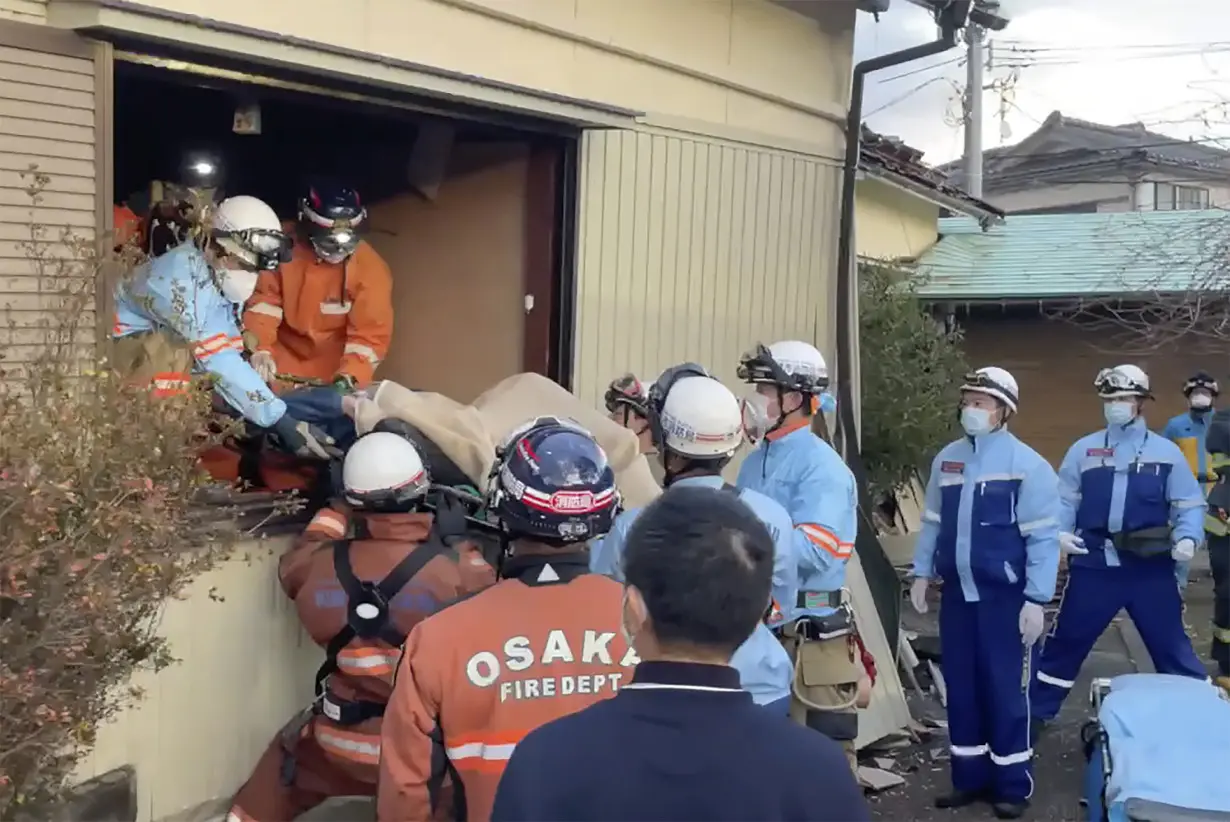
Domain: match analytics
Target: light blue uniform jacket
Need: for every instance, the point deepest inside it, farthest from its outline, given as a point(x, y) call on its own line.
point(765, 669)
point(991, 520)
point(803, 474)
point(176, 293)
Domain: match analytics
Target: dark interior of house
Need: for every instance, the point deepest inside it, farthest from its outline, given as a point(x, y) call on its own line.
point(167, 121)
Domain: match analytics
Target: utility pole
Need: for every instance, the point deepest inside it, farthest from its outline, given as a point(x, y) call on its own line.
point(973, 110)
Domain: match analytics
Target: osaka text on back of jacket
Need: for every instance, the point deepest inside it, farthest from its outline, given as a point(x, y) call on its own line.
point(486, 668)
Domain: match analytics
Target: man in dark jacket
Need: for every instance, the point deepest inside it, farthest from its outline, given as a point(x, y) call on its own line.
point(682, 741)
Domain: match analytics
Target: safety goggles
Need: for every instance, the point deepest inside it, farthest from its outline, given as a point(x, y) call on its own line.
point(1201, 384)
point(1113, 381)
point(625, 391)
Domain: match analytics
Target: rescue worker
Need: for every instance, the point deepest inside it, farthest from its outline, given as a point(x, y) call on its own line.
point(1188, 431)
point(990, 533)
point(358, 597)
point(1217, 535)
point(543, 642)
point(179, 312)
point(698, 428)
point(1130, 509)
point(327, 314)
point(808, 478)
point(126, 228)
point(683, 741)
point(625, 402)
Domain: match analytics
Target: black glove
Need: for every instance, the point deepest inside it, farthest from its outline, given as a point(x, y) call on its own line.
point(304, 439)
point(450, 521)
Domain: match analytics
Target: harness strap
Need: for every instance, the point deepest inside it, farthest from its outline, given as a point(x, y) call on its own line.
point(378, 596)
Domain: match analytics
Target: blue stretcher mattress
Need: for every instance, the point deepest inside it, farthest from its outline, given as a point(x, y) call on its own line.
point(1169, 739)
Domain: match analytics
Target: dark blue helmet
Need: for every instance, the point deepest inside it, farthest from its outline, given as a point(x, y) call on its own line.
point(551, 482)
point(333, 218)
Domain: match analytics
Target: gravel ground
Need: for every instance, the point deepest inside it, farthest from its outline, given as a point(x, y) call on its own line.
point(1059, 765)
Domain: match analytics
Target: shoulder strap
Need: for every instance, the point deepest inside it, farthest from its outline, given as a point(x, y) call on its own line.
point(385, 590)
point(730, 489)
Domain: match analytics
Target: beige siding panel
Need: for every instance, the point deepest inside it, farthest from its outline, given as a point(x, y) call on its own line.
point(692, 249)
point(47, 120)
point(24, 11)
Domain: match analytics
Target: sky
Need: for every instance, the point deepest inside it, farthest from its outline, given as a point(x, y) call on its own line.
point(1165, 63)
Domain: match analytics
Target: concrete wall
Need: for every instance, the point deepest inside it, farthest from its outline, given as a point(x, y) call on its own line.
point(245, 667)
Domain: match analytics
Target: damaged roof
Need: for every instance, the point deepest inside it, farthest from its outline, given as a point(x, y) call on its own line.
point(900, 162)
point(1053, 256)
point(1066, 141)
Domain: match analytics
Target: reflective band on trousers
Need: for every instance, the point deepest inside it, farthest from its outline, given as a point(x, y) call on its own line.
point(364, 748)
point(1221, 634)
point(1058, 683)
point(985, 750)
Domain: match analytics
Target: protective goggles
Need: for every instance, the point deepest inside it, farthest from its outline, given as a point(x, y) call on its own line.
point(978, 381)
point(1113, 381)
point(272, 248)
point(625, 390)
point(1205, 383)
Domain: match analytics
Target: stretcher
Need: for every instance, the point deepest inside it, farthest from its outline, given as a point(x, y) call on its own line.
point(1158, 750)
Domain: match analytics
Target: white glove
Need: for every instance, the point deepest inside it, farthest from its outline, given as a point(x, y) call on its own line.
point(1033, 622)
point(918, 594)
point(263, 364)
point(1071, 544)
point(1183, 550)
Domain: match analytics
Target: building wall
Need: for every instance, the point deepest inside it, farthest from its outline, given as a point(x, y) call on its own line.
point(749, 66)
point(24, 11)
point(245, 666)
point(1111, 195)
point(696, 250)
point(1055, 362)
point(891, 224)
point(49, 184)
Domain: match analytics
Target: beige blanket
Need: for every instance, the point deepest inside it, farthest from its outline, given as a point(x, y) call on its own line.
point(469, 434)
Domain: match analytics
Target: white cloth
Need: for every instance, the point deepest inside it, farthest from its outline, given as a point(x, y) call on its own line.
point(918, 594)
point(1032, 623)
point(264, 365)
point(1071, 544)
point(1183, 550)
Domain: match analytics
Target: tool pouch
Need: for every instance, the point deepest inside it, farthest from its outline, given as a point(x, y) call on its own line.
point(1147, 542)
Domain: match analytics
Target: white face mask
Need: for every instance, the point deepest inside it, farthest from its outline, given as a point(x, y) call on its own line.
point(237, 285)
point(756, 421)
point(1119, 413)
point(976, 421)
point(1200, 402)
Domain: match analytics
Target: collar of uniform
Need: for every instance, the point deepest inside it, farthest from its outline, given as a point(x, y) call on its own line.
point(789, 428)
point(408, 527)
point(546, 569)
point(1134, 430)
point(685, 676)
point(982, 441)
point(703, 481)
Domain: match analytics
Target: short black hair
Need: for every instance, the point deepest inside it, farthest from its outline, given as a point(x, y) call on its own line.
point(704, 563)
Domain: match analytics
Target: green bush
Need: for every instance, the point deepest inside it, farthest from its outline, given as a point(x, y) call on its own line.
point(911, 370)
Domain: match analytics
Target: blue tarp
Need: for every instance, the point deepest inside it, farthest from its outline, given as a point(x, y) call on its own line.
point(1169, 743)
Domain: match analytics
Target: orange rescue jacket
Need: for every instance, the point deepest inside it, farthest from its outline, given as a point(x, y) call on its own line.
point(365, 665)
point(477, 677)
point(321, 320)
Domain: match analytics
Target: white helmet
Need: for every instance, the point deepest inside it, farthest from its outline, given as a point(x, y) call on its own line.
point(382, 469)
point(700, 418)
point(994, 382)
point(249, 229)
point(793, 365)
point(1122, 381)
